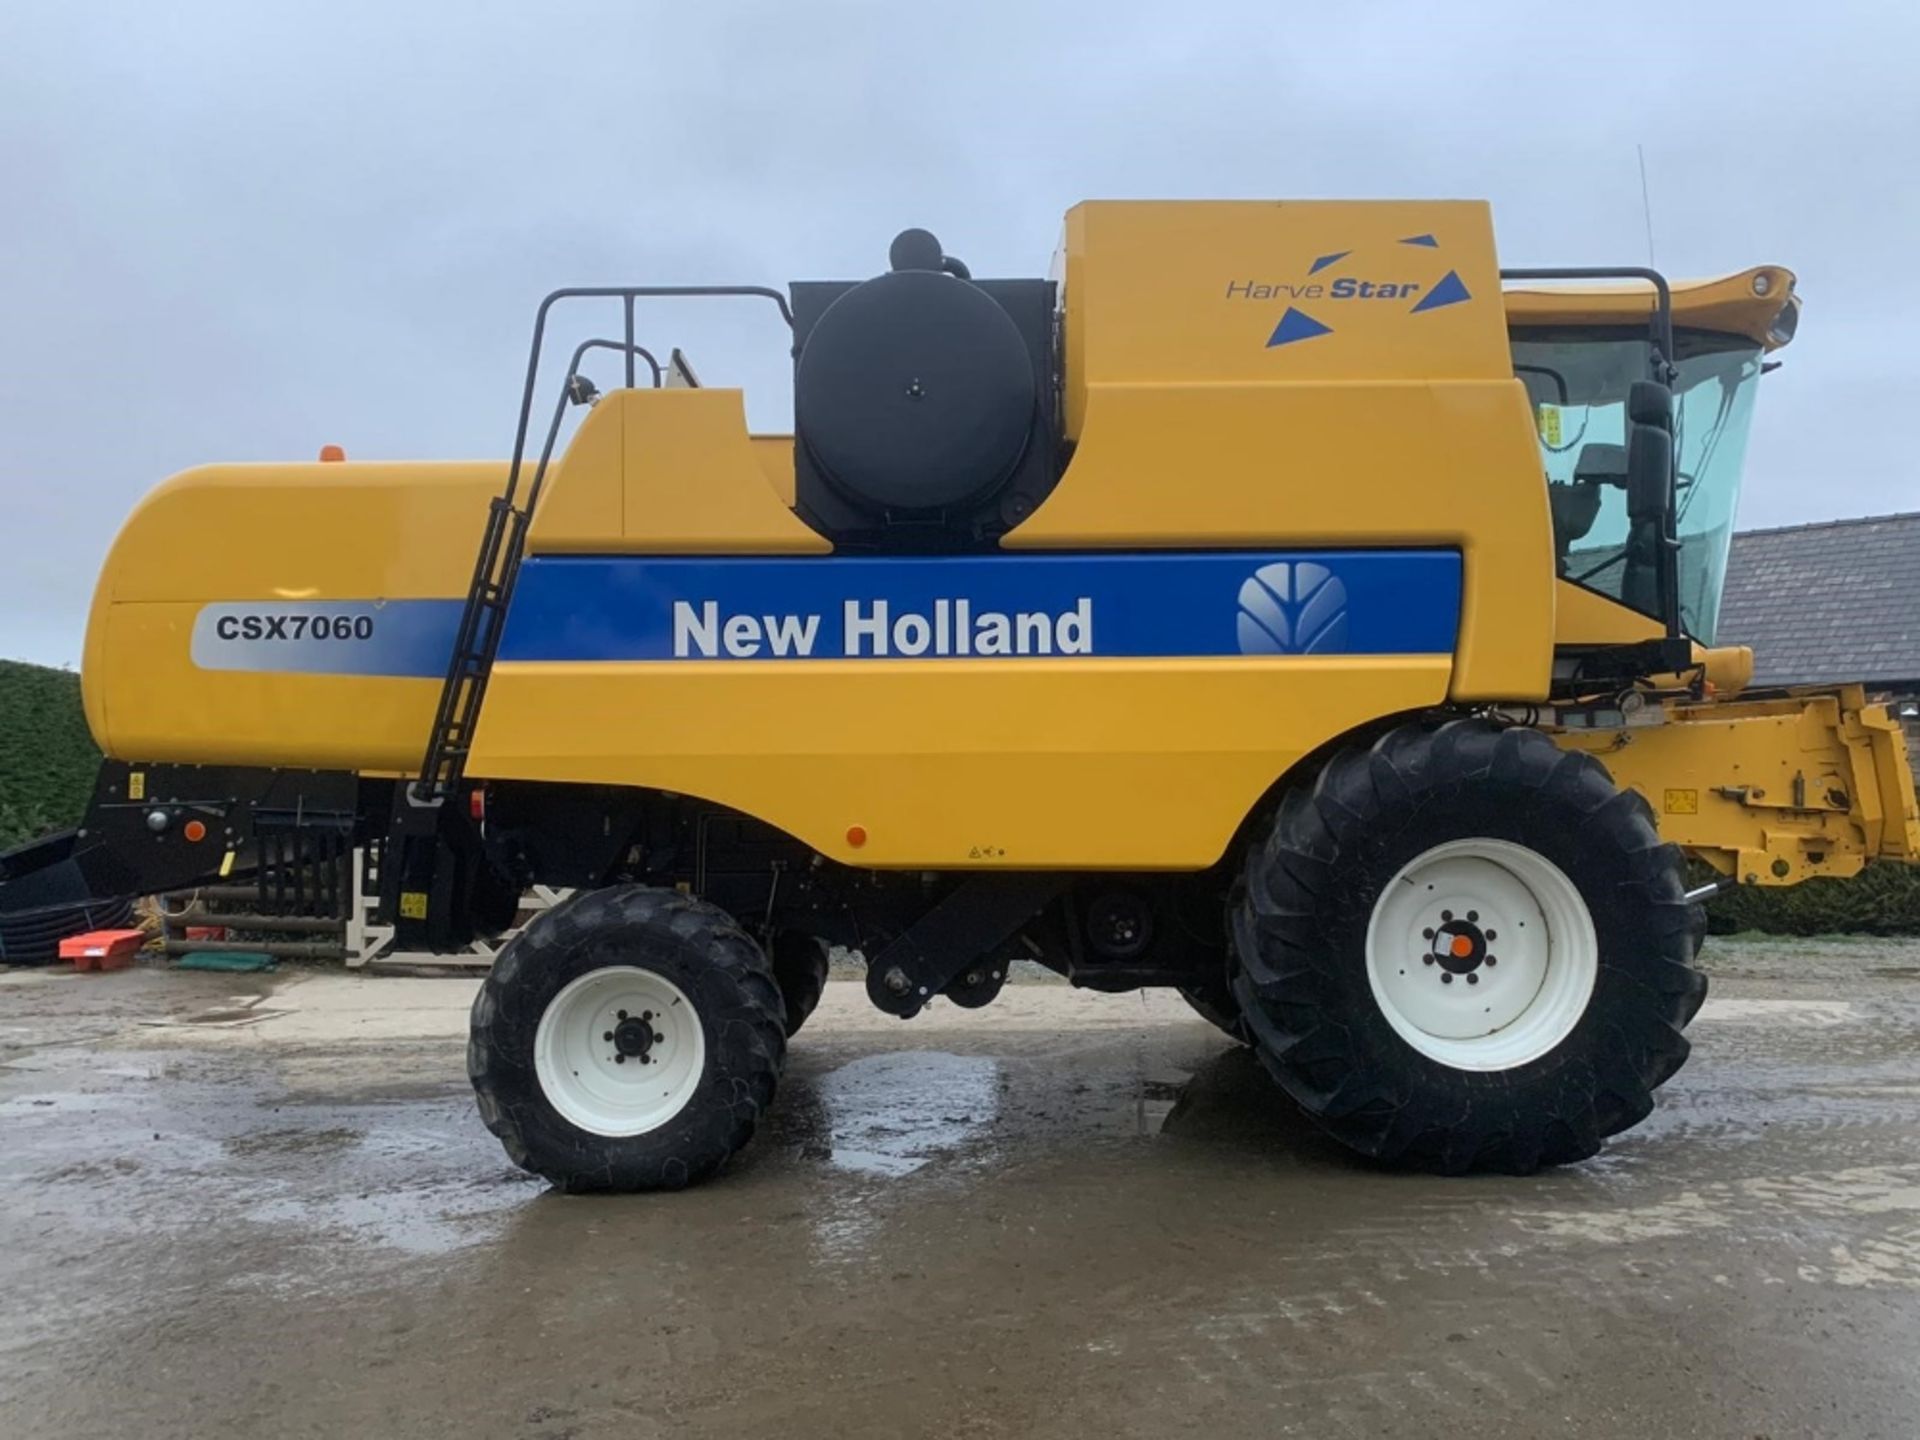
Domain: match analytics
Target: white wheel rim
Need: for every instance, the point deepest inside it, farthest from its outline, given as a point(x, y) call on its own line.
point(1482, 955)
point(629, 1084)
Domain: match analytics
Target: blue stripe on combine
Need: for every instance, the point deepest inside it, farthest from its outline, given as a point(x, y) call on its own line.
point(1138, 605)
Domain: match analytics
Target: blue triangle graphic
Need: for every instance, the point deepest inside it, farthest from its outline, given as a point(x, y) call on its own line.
point(1296, 325)
point(1426, 240)
point(1447, 291)
point(1326, 260)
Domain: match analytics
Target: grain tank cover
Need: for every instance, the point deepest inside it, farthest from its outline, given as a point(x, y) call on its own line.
point(915, 392)
point(923, 403)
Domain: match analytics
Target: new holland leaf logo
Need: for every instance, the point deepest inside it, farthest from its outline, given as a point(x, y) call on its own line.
point(1415, 297)
point(1290, 608)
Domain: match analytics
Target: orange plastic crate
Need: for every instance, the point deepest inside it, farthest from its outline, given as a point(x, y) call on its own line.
point(102, 949)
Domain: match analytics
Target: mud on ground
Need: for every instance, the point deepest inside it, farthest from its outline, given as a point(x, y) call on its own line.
point(263, 1206)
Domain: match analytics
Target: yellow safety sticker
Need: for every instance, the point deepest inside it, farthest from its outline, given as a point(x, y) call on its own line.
point(1550, 424)
point(136, 785)
point(226, 864)
point(1682, 802)
point(413, 904)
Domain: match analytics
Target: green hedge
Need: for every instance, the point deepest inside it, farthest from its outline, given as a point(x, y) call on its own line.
point(1883, 899)
point(47, 758)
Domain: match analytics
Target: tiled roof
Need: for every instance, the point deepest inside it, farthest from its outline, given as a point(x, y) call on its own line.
point(1830, 602)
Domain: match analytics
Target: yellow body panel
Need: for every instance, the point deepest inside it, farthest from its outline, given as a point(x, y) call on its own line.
point(1195, 424)
point(1193, 433)
point(1586, 617)
point(1171, 293)
point(289, 532)
point(1217, 466)
point(664, 472)
point(1021, 764)
point(164, 707)
point(679, 461)
point(1772, 792)
point(1751, 303)
point(775, 456)
point(1396, 428)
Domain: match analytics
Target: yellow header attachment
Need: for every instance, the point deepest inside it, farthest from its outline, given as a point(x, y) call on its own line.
point(1771, 791)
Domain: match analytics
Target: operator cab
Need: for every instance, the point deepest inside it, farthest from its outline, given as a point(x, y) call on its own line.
point(1580, 352)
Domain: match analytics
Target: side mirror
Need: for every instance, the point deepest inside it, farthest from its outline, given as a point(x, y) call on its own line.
point(1649, 473)
point(1649, 450)
point(1649, 403)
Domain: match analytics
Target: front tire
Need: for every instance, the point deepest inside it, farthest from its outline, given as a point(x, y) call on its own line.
point(627, 1039)
point(1465, 949)
point(1212, 1000)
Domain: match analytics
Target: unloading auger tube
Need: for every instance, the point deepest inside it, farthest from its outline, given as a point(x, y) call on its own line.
point(1193, 617)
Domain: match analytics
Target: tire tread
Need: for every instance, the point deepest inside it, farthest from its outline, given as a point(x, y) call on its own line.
point(1290, 996)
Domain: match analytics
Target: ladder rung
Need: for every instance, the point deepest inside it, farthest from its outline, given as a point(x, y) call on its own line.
point(485, 610)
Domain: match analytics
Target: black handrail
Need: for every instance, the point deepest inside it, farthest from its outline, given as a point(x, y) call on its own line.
point(1662, 307)
point(497, 565)
point(627, 295)
point(653, 364)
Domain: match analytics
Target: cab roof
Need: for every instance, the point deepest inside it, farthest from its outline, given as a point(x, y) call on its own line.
point(1759, 304)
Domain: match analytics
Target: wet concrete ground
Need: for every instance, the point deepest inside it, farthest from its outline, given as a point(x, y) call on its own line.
point(233, 1206)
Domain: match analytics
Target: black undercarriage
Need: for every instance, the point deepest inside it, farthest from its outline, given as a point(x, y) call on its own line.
point(453, 872)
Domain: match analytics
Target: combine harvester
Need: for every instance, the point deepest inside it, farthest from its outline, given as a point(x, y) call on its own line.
point(1199, 617)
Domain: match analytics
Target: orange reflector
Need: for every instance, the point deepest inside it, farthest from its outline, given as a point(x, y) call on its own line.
point(477, 804)
point(856, 835)
point(194, 830)
point(332, 453)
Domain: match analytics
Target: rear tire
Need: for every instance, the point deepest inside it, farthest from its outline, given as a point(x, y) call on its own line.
point(1368, 989)
point(800, 970)
point(627, 1039)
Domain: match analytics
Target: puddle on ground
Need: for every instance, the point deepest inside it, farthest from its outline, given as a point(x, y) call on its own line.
point(889, 1115)
point(432, 1219)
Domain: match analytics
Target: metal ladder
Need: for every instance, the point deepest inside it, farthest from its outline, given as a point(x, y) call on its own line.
point(503, 543)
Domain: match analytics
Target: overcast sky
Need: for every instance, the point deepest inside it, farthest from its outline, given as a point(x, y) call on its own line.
point(239, 231)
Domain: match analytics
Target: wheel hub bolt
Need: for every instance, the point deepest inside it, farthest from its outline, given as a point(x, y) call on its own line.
point(1446, 978)
point(1473, 979)
point(633, 1038)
